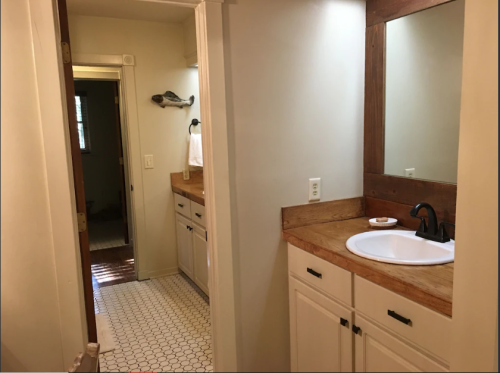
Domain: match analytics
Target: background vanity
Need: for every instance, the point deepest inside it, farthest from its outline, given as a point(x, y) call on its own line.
point(190, 225)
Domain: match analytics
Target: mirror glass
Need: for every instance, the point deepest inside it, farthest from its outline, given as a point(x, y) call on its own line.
point(423, 82)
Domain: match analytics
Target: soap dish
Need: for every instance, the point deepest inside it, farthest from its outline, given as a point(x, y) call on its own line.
point(391, 222)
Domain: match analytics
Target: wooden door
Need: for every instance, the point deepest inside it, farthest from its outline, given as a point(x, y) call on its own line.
point(378, 351)
point(200, 258)
point(321, 341)
point(77, 172)
point(184, 244)
point(121, 162)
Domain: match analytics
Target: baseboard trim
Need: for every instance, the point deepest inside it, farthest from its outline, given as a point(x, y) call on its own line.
point(163, 272)
point(143, 275)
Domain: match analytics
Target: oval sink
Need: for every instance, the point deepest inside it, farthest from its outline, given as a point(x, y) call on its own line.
point(401, 247)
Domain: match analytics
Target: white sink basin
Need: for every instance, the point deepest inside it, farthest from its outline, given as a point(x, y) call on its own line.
point(401, 247)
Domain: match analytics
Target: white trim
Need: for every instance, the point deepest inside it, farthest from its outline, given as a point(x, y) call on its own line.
point(133, 146)
point(184, 3)
point(61, 190)
point(97, 59)
point(209, 37)
point(163, 272)
point(96, 72)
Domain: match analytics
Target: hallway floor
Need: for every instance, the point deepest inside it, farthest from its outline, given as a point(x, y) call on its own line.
point(106, 234)
point(112, 266)
point(159, 325)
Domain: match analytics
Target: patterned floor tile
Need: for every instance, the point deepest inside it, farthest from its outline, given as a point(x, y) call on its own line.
point(160, 325)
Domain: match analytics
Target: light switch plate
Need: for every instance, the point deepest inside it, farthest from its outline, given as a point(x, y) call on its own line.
point(410, 172)
point(314, 189)
point(148, 161)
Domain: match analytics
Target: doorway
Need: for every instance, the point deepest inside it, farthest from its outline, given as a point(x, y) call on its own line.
point(106, 181)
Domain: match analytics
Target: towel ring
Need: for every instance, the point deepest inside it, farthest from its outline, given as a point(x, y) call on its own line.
point(194, 122)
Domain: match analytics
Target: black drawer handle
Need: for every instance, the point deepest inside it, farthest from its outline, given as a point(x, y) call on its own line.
point(314, 273)
point(356, 329)
point(343, 322)
point(198, 215)
point(404, 320)
point(180, 205)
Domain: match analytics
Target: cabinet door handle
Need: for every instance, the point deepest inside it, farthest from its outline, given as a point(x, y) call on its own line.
point(356, 329)
point(180, 205)
point(190, 228)
point(404, 320)
point(314, 273)
point(198, 215)
point(343, 322)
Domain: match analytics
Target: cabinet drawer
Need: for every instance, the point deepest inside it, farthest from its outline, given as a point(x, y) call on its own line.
point(198, 214)
point(428, 329)
point(182, 205)
point(318, 272)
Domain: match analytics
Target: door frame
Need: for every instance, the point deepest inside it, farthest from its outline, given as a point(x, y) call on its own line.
point(210, 48)
point(132, 155)
point(117, 76)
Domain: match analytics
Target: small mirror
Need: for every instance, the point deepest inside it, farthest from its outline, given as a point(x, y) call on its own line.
point(422, 93)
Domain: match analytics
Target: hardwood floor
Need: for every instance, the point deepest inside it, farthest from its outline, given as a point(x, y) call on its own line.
point(112, 266)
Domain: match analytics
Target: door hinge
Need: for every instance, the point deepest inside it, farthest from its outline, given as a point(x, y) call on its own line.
point(66, 53)
point(82, 222)
point(121, 161)
point(117, 101)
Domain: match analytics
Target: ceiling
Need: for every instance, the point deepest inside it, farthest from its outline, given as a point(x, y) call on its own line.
point(129, 9)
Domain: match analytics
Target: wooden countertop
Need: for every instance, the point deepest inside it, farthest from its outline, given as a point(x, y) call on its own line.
point(430, 286)
point(192, 188)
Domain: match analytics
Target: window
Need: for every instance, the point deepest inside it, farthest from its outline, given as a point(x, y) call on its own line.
point(82, 121)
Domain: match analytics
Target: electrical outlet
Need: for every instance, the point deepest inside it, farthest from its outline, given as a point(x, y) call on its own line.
point(314, 189)
point(410, 172)
point(148, 161)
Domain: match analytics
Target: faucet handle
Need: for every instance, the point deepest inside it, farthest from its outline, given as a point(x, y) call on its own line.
point(443, 235)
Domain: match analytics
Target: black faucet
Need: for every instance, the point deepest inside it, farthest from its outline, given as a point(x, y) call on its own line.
point(431, 232)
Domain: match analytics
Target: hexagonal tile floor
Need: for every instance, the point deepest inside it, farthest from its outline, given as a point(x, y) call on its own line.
point(159, 325)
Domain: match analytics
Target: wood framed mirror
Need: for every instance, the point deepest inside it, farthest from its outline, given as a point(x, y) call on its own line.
point(388, 195)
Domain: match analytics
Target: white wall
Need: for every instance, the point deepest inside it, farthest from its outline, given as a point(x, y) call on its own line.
point(475, 283)
point(160, 66)
point(423, 89)
point(190, 47)
point(101, 169)
point(43, 323)
point(295, 88)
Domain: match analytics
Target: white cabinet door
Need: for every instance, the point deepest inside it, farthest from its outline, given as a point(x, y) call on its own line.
point(200, 258)
point(319, 341)
point(184, 244)
point(378, 351)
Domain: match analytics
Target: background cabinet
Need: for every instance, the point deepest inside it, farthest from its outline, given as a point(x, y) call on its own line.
point(200, 254)
point(192, 241)
point(184, 244)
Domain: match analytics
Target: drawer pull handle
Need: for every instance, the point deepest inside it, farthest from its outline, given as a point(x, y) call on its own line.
point(314, 273)
point(343, 322)
point(356, 329)
point(180, 205)
point(404, 320)
point(198, 215)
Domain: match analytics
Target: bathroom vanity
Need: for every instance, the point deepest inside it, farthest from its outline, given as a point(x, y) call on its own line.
point(192, 251)
point(348, 313)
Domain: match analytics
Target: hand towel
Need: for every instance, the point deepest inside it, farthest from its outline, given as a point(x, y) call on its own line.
point(195, 150)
